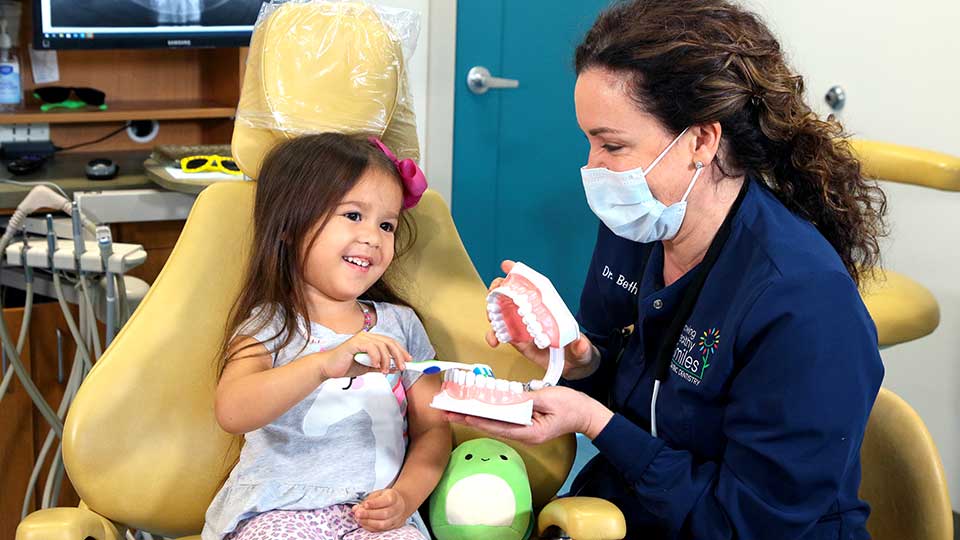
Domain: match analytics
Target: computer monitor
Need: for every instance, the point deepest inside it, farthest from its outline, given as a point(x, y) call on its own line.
point(123, 24)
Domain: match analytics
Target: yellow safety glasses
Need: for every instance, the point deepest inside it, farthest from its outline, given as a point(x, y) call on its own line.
point(194, 164)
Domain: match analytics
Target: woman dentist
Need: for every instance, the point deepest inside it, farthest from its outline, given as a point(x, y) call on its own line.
point(742, 225)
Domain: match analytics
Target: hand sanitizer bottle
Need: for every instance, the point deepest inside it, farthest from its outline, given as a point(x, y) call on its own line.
point(11, 88)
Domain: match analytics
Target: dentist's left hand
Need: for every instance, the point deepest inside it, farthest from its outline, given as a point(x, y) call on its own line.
point(382, 510)
point(557, 410)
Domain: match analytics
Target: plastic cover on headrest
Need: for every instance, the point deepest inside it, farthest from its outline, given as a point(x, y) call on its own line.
point(327, 65)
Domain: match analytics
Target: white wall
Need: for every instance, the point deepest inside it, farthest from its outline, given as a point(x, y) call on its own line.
point(898, 63)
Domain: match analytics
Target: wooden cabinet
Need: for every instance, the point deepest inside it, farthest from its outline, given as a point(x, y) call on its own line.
point(22, 428)
point(192, 93)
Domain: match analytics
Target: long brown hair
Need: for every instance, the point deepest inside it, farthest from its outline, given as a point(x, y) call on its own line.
point(692, 62)
point(301, 182)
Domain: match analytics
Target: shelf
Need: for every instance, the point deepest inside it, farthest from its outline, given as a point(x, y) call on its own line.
point(119, 112)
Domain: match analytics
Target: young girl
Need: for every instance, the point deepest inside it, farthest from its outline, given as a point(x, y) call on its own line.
point(328, 453)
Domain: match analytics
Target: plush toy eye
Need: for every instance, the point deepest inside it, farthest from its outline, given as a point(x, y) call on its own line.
point(468, 457)
point(503, 457)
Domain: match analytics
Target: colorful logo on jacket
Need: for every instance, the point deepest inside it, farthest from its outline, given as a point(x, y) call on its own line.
point(693, 354)
point(709, 343)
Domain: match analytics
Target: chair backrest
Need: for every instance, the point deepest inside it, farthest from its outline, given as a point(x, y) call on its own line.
point(903, 478)
point(141, 444)
point(323, 66)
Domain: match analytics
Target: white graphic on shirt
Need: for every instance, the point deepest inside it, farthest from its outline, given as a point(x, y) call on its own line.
point(342, 398)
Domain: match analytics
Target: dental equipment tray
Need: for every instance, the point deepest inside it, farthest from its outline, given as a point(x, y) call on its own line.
point(124, 257)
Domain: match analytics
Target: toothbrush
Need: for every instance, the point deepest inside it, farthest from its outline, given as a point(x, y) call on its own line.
point(428, 367)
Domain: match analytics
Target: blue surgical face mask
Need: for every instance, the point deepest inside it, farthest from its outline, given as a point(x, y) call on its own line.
point(623, 202)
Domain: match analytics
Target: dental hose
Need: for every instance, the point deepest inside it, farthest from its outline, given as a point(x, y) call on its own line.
point(92, 337)
point(39, 197)
point(74, 331)
point(24, 325)
point(14, 356)
point(73, 384)
point(81, 365)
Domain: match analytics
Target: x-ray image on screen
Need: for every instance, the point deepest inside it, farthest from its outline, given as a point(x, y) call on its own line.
point(153, 13)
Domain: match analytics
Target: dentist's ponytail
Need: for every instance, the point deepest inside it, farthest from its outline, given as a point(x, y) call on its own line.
point(698, 61)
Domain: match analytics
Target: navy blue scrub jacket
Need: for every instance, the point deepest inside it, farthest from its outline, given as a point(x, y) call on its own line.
point(770, 386)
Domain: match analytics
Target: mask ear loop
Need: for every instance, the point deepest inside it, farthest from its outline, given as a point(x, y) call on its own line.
point(699, 166)
point(664, 153)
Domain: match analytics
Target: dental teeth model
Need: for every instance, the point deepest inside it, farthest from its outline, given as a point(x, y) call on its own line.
point(477, 395)
point(524, 308)
point(527, 308)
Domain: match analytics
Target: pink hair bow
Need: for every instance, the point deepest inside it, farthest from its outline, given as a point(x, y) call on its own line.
point(414, 181)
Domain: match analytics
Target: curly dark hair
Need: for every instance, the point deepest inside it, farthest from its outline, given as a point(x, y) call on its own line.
point(692, 62)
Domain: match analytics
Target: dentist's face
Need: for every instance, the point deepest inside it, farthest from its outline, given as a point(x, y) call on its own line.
point(623, 137)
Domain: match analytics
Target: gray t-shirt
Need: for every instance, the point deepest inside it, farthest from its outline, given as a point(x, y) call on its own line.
point(343, 441)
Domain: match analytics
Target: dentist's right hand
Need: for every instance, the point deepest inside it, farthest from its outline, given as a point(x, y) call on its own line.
point(581, 358)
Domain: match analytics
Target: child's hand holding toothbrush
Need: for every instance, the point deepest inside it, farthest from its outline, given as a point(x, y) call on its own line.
point(379, 349)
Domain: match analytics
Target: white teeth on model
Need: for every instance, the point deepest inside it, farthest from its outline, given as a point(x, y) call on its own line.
point(541, 341)
point(503, 385)
point(503, 337)
point(470, 379)
point(493, 307)
point(534, 328)
point(461, 377)
point(516, 387)
point(490, 382)
point(529, 318)
point(523, 305)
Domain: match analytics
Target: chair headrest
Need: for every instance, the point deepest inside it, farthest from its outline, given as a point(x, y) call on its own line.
point(323, 66)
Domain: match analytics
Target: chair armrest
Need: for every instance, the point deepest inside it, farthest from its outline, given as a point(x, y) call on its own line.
point(582, 518)
point(908, 165)
point(66, 524)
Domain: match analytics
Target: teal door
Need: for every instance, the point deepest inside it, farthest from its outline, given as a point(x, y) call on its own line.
point(518, 151)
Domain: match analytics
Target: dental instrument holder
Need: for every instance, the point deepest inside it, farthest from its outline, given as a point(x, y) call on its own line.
point(105, 241)
point(51, 242)
point(79, 246)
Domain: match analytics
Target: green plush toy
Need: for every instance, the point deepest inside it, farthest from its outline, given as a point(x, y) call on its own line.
point(483, 495)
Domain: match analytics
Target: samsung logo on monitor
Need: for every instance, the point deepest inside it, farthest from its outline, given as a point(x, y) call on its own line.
point(178, 43)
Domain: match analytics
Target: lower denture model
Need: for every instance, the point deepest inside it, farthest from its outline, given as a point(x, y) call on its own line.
point(525, 308)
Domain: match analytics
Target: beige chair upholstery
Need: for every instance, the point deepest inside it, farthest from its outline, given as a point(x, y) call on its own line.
point(903, 478)
point(316, 67)
point(903, 309)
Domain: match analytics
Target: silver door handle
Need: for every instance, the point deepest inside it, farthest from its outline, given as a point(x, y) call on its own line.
point(479, 80)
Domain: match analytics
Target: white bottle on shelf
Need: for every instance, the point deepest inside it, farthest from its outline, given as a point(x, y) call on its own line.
point(11, 85)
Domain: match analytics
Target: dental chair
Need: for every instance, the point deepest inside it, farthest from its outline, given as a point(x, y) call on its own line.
point(903, 309)
point(141, 444)
point(903, 477)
